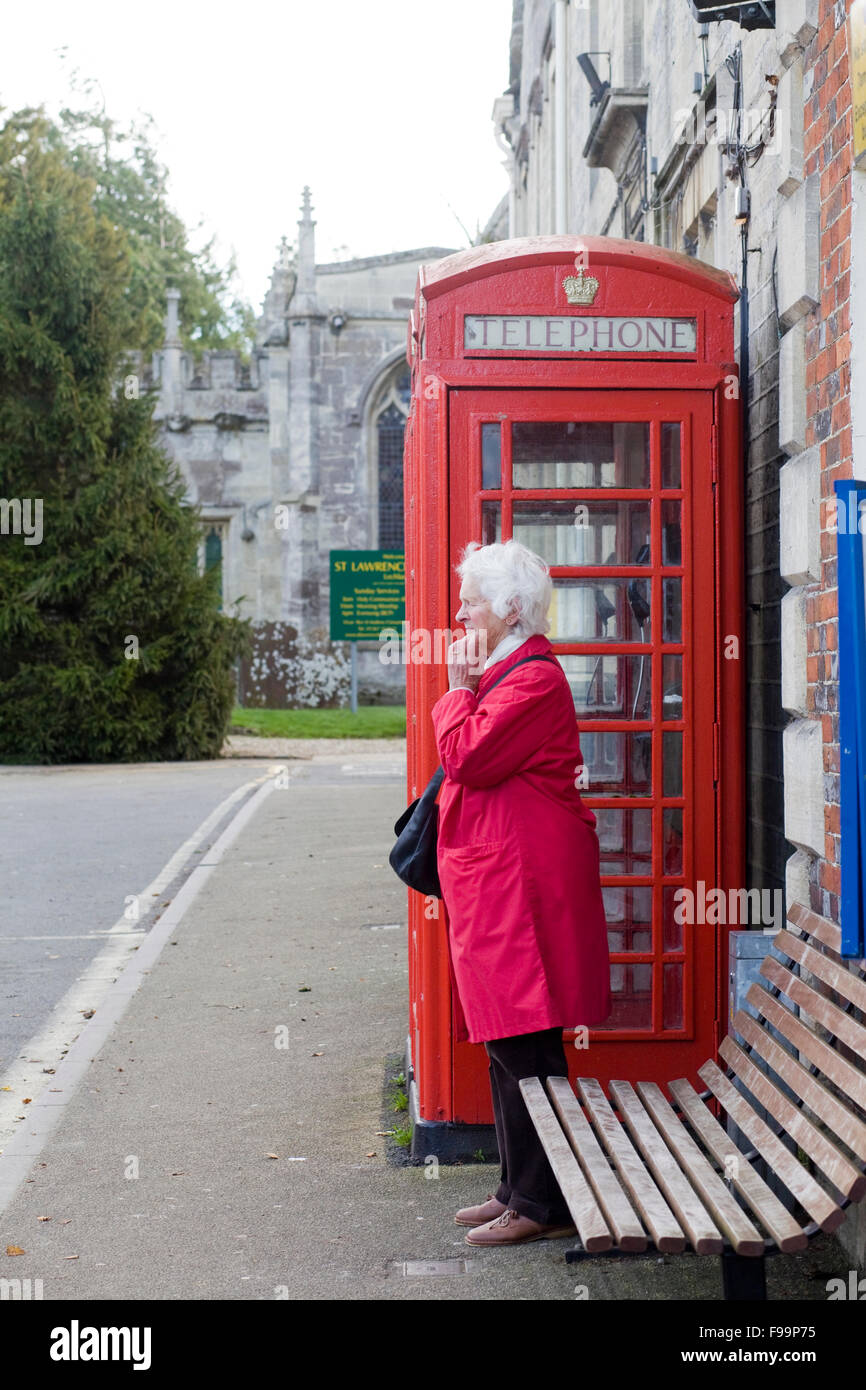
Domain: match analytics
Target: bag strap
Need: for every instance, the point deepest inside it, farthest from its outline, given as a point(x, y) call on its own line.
point(439, 775)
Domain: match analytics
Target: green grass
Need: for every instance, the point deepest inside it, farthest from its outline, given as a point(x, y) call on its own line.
point(397, 1097)
point(403, 1136)
point(371, 721)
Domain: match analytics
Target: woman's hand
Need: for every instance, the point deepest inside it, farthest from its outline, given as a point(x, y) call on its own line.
point(465, 660)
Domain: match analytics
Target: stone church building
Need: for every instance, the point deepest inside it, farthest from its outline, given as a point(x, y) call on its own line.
point(298, 453)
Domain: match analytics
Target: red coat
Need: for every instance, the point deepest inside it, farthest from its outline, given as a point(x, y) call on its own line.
point(518, 856)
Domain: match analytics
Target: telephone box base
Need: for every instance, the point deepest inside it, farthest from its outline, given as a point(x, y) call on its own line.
point(444, 1140)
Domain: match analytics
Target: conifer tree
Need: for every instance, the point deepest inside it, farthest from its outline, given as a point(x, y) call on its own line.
point(112, 645)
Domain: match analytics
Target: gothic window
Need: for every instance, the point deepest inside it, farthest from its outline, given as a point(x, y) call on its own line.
point(211, 551)
point(390, 426)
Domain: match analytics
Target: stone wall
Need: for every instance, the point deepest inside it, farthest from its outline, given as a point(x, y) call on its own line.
point(280, 453)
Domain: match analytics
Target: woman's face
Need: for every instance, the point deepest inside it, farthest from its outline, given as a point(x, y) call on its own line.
point(476, 615)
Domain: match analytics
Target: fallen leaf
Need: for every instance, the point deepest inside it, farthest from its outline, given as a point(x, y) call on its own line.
point(317, 1054)
point(88, 1013)
point(43, 1218)
point(372, 1155)
point(26, 1100)
point(272, 1155)
point(15, 1250)
point(5, 1088)
point(70, 1257)
point(305, 989)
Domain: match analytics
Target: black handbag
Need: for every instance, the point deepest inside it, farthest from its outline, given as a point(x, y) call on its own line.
point(413, 857)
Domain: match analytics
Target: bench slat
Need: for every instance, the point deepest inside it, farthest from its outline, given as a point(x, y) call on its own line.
point(828, 1061)
point(818, 927)
point(807, 1087)
point(591, 1227)
point(685, 1204)
point(833, 1164)
point(818, 1203)
point(617, 1209)
point(726, 1211)
point(849, 986)
point(823, 1010)
point(651, 1205)
point(776, 1219)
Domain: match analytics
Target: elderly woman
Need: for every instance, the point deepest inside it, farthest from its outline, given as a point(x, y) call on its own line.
point(518, 861)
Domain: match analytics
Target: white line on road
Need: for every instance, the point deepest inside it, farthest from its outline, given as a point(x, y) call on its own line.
point(28, 1077)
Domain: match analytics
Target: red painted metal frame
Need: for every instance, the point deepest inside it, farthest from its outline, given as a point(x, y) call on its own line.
point(443, 510)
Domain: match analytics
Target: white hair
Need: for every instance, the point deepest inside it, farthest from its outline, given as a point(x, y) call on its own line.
point(510, 574)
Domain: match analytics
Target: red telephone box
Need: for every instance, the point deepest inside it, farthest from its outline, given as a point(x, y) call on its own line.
point(580, 394)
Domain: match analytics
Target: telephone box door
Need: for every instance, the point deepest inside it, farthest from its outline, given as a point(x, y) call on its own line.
point(615, 490)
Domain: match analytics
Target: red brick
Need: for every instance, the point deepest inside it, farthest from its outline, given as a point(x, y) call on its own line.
point(824, 36)
point(840, 415)
point(830, 877)
point(826, 608)
point(825, 363)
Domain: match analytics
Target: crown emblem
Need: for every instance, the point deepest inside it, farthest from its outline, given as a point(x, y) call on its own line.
point(580, 288)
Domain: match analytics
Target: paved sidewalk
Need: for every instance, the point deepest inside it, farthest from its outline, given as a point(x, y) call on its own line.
point(158, 1178)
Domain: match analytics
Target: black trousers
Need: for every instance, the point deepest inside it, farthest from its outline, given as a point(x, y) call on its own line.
point(527, 1183)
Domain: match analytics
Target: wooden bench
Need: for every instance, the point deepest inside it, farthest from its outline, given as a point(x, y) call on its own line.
point(639, 1169)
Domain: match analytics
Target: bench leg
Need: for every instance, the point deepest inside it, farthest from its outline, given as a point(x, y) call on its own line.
point(743, 1278)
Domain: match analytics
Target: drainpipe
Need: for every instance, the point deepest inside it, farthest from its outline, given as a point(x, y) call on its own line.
point(560, 116)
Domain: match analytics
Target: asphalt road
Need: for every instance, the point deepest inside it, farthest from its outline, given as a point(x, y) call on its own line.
point(79, 845)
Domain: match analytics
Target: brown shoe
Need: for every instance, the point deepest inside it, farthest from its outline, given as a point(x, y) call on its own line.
point(513, 1229)
point(477, 1216)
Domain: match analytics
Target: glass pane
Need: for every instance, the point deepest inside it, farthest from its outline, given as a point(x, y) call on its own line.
point(672, 687)
point(631, 1008)
point(672, 596)
point(589, 610)
point(491, 522)
point(390, 427)
point(617, 764)
point(610, 687)
point(672, 541)
point(672, 763)
point(672, 996)
point(585, 533)
point(491, 455)
point(672, 840)
point(672, 930)
point(628, 912)
point(671, 470)
point(625, 838)
point(577, 453)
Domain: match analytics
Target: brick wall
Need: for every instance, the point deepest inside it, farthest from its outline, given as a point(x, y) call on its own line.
point(827, 151)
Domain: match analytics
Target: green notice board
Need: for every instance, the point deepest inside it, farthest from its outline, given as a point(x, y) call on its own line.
point(368, 593)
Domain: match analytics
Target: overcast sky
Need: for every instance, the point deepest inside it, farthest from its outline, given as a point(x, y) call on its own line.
point(383, 107)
